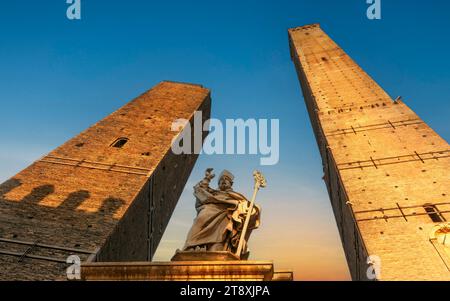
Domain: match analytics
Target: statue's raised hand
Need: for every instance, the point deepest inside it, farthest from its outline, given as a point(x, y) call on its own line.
point(209, 174)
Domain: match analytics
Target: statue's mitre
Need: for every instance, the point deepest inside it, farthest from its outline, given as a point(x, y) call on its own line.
point(227, 174)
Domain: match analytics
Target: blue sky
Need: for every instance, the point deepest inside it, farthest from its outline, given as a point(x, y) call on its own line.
point(57, 77)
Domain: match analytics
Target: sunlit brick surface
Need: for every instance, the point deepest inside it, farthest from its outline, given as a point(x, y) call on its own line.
point(381, 164)
point(91, 199)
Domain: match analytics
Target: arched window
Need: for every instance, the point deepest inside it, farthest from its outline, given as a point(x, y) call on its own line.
point(119, 143)
point(440, 238)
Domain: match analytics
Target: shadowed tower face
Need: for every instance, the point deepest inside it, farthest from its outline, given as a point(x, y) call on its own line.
point(385, 169)
point(105, 195)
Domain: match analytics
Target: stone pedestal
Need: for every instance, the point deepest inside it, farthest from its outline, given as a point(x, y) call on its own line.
point(187, 266)
point(179, 271)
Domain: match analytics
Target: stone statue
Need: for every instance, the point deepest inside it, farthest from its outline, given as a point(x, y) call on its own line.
point(221, 218)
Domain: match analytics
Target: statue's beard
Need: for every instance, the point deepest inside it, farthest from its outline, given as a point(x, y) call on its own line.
point(224, 187)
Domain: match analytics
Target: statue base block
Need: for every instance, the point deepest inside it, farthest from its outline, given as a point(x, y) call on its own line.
point(204, 256)
point(224, 270)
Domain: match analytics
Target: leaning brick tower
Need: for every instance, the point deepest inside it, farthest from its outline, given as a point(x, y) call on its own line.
point(105, 195)
point(386, 170)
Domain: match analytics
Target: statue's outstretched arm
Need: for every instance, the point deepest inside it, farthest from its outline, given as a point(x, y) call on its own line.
point(202, 191)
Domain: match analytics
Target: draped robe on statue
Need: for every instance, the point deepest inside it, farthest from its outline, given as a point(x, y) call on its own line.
point(220, 219)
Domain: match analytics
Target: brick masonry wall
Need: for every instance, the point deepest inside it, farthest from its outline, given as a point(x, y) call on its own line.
point(381, 164)
point(96, 201)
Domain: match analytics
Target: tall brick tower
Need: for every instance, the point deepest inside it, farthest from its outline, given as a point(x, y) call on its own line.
point(387, 172)
point(105, 195)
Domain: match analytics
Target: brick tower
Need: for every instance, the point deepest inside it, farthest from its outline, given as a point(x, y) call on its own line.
point(386, 170)
point(105, 195)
